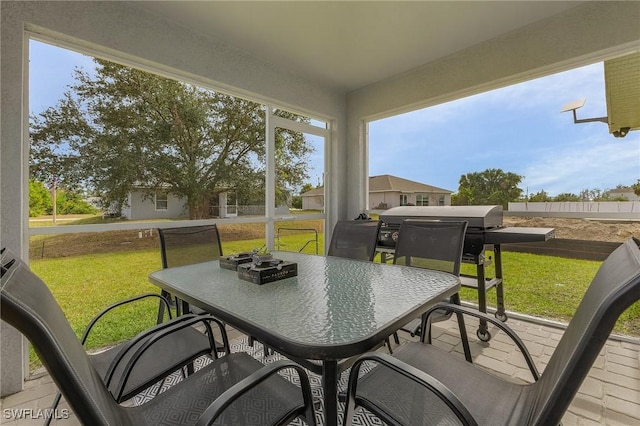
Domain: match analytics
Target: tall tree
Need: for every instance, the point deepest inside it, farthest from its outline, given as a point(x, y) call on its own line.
point(123, 128)
point(636, 188)
point(39, 199)
point(492, 186)
point(539, 197)
point(567, 196)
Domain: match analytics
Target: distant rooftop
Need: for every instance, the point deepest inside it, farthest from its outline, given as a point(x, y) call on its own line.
point(386, 183)
point(389, 183)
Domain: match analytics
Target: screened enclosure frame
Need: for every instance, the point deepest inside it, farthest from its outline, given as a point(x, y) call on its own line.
point(272, 122)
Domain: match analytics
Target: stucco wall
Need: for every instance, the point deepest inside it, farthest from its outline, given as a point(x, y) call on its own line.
point(142, 207)
point(312, 202)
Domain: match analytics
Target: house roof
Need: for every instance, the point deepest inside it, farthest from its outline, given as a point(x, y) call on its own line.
point(389, 183)
point(622, 190)
point(314, 192)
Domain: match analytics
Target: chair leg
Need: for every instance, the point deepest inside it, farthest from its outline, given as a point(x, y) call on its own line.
point(396, 339)
point(54, 405)
point(463, 330)
point(161, 307)
point(387, 342)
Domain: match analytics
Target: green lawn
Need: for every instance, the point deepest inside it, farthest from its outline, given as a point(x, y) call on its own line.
point(542, 286)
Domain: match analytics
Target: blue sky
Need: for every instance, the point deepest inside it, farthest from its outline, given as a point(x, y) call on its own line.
point(518, 129)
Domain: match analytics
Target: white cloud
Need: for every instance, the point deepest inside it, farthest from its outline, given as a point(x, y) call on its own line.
point(594, 163)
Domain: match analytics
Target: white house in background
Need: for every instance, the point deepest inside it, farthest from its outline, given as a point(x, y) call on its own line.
point(164, 205)
point(626, 192)
point(313, 200)
point(386, 191)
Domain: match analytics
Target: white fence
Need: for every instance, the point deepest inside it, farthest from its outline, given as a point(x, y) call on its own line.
point(578, 209)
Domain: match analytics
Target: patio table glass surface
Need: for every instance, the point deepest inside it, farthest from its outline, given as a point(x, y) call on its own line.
point(334, 309)
point(333, 302)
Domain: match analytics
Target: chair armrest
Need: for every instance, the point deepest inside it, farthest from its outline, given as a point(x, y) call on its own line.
point(420, 377)
point(214, 410)
point(152, 336)
point(501, 325)
point(109, 308)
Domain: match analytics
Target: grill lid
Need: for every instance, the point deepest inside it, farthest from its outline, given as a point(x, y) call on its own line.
point(479, 217)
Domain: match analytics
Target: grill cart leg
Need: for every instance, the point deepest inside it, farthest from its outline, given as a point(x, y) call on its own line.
point(500, 314)
point(483, 284)
point(482, 333)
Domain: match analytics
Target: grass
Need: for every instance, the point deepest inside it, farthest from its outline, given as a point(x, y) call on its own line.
point(542, 286)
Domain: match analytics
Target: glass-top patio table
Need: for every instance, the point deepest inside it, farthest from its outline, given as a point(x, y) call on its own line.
point(333, 310)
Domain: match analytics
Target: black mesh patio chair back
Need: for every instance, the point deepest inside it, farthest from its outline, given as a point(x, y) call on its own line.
point(431, 244)
point(354, 239)
point(28, 305)
point(233, 389)
point(615, 287)
point(423, 384)
point(434, 245)
point(189, 245)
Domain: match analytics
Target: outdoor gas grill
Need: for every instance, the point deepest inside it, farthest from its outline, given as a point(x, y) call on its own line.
point(484, 228)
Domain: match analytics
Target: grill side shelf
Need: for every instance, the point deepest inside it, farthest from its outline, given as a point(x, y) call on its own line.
point(514, 235)
point(471, 281)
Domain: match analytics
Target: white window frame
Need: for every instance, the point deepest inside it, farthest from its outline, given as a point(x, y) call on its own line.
point(273, 122)
point(157, 200)
point(421, 198)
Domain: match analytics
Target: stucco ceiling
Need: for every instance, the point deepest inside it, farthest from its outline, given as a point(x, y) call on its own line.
point(350, 44)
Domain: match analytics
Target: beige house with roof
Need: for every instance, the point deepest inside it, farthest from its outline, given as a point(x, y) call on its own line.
point(386, 191)
point(626, 192)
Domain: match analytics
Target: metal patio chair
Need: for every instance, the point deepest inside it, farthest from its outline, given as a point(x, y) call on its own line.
point(354, 239)
point(422, 384)
point(232, 389)
point(434, 245)
point(186, 246)
point(178, 351)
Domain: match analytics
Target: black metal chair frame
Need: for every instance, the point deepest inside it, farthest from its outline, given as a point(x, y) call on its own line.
point(28, 305)
point(122, 359)
point(118, 362)
point(615, 287)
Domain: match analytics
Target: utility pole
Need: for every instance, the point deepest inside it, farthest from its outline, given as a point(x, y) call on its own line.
point(53, 196)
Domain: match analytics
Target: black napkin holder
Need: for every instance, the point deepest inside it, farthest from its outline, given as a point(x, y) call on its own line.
point(268, 272)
